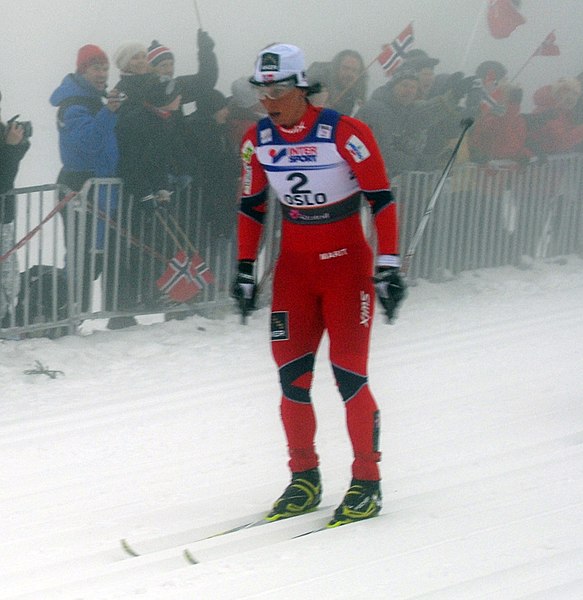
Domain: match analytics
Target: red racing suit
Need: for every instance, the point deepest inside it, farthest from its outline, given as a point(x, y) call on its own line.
point(323, 276)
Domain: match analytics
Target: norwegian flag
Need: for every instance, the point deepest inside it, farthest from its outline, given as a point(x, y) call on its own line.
point(185, 277)
point(393, 54)
point(503, 17)
point(548, 47)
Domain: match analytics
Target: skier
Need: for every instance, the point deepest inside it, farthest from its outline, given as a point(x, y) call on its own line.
point(318, 162)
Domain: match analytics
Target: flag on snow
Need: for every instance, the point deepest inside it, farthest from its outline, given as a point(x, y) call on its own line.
point(393, 54)
point(548, 47)
point(503, 17)
point(185, 277)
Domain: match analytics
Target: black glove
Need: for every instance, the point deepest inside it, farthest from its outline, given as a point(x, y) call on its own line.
point(205, 41)
point(244, 288)
point(391, 290)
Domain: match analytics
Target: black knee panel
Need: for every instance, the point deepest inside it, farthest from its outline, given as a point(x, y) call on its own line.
point(290, 373)
point(348, 383)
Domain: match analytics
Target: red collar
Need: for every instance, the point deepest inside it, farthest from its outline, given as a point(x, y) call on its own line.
point(163, 114)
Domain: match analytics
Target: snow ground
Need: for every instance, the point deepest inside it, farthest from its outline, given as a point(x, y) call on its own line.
point(174, 426)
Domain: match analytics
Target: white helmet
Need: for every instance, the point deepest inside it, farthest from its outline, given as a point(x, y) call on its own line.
point(280, 62)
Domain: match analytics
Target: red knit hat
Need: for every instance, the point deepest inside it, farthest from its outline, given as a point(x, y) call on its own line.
point(90, 55)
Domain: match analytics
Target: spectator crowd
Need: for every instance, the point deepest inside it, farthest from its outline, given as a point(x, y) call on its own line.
point(144, 131)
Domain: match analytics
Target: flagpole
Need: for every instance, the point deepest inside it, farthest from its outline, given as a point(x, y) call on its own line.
point(479, 18)
point(524, 65)
point(346, 90)
point(537, 52)
point(168, 230)
point(365, 70)
point(197, 14)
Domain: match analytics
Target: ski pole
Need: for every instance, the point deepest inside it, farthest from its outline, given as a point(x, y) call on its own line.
point(466, 124)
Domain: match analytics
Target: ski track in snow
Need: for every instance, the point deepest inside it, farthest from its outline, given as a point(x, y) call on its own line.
point(174, 427)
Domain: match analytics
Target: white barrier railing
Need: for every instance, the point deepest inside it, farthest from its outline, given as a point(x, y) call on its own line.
point(97, 253)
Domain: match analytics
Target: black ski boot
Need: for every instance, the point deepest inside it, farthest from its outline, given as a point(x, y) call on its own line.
point(302, 495)
point(363, 500)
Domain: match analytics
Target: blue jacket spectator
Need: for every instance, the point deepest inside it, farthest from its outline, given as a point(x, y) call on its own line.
point(86, 122)
point(87, 141)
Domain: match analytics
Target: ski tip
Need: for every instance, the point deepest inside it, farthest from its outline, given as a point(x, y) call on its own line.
point(127, 548)
point(189, 556)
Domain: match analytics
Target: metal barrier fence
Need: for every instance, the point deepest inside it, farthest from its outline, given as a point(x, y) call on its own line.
point(70, 256)
point(493, 215)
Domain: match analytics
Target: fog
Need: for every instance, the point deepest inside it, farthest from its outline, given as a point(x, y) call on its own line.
point(40, 40)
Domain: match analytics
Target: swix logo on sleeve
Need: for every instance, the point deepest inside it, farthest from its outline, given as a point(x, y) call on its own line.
point(357, 149)
point(247, 179)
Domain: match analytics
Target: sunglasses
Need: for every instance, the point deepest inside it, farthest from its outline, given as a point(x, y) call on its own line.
point(274, 91)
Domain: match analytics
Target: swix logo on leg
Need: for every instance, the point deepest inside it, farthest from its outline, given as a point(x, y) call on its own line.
point(365, 315)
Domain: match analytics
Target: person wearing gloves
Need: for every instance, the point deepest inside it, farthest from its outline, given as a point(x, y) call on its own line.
point(401, 121)
point(318, 162)
point(191, 87)
point(152, 157)
point(86, 120)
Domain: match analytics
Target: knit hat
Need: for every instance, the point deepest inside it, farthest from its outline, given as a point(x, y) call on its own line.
point(89, 55)
point(280, 62)
point(157, 53)
point(126, 52)
point(160, 92)
point(210, 103)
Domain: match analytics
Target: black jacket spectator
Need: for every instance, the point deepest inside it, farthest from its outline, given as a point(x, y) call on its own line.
point(10, 156)
point(151, 140)
point(217, 163)
point(195, 87)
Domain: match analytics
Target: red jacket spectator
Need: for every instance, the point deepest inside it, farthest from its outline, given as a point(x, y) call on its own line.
point(559, 133)
point(501, 136)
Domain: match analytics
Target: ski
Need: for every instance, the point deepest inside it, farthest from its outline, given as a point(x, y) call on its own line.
point(281, 531)
point(190, 536)
point(290, 529)
point(198, 535)
point(328, 526)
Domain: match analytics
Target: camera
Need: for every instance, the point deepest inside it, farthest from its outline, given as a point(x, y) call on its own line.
point(26, 128)
point(121, 97)
point(26, 125)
